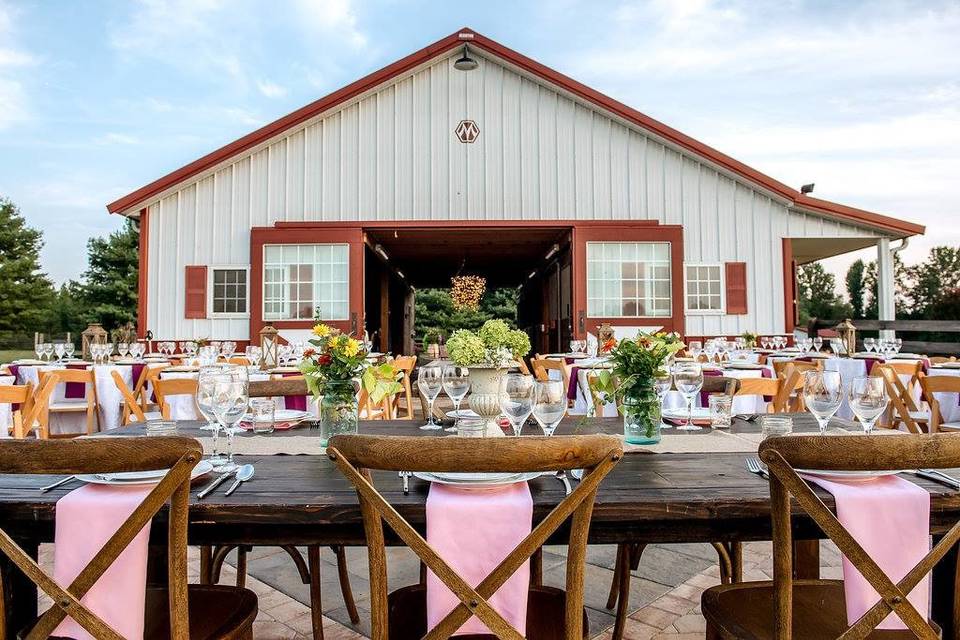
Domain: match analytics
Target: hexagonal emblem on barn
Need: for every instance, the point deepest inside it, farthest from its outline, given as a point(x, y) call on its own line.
point(467, 131)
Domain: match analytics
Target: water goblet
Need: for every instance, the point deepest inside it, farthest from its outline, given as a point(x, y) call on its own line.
point(456, 384)
point(869, 344)
point(58, 349)
point(549, 404)
point(205, 384)
point(694, 348)
point(662, 383)
point(48, 350)
point(516, 399)
point(430, 383)
point(688, 378)
point(230, 399)
point(818, 343)
point(868, 400)
point(823, 395)
point(68, 350)
point(897, 345)
point(38, 348)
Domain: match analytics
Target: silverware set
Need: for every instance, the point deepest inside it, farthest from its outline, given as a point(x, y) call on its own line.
point(405, 476)
point(241, 475)
point(754, 466)
point(57, 483)
point(934, 475)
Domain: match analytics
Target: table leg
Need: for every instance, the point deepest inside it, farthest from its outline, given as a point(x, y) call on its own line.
point(806, 559)
point(944, 607)
point(316, 602)
point(536, 568)
point(206, 562)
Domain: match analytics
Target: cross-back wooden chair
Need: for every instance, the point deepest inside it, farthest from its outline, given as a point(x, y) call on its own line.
point(932, 385)
point(131, 407)
point(816, 608)
point(179, 611)
point(550, 612)
point(86, 405)
point(406, 365)
point(165, 388)
point(902, 410)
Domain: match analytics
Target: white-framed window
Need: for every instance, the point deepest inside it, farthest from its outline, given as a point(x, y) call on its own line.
point(705, 288)
point(228, 288)
point(628, 280)
point(298, 279)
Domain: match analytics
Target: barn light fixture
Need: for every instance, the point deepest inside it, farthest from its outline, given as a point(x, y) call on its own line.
point(383, 254)
point(807, 188)
point(465, 62)
point(552, 252)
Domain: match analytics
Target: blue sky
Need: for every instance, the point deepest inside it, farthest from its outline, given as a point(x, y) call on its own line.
point(98, 98)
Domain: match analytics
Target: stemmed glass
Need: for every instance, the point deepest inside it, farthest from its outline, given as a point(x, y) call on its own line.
point(107, 351)
point(661, 385)
point(868, 400)
point(710, 348)
point(869, 344)
point(231, 395)
point(897, 345)
point(206, 386)
point(430, 382)
point(823, 395)
point(549, 404)
point(688, 378)
point(694, 349)
point(456, 383)
point(38, 348)
point(123, 348)
point(58, 349)
point(68, 349)
point(818, 343)
point(48, 350)
point(516, 399)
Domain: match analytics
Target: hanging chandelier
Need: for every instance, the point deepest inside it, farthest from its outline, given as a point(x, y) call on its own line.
point(467, 291)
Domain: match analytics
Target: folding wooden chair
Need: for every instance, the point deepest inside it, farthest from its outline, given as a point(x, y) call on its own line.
point(178, 611)
point(904, 368)
point(21, 401)
point(165, 388)
point(773, 388)
point(131, 407)
point(780, 367)
point(903, 410)
point(144, 385)
point(406, 364)
point(87, 404)
point(932, 385)
point(816, 608)
point(551, 612)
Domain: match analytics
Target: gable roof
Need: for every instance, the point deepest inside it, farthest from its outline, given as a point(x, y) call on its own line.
point(476, 40)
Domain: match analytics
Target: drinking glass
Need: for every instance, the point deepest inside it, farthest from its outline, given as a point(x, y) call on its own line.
point(456, 383)
point(205, 404)
point(262, 414)
point(897, 345)
point(868, 400)
point(823, 395)
point(58, 348)
point(38, 348)
point(694, 349)
point(710, 348)
point(869, 344)
point(231, 396)
point(721, 411)
point(688, 378)
point(68, 349)
point(661, 385)
point(549, 404)
point(48, 350)
point(430, 382)
point(516, 399)
point(773, 425)
point(107, 351)
point(574, 346)
point(818, 343)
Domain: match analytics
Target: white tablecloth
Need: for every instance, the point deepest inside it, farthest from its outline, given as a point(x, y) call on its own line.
point(949, 402)
point(6, 414)
point(184, 407)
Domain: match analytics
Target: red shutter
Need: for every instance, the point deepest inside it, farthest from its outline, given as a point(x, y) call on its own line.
point(736, 277)
point(195, 303)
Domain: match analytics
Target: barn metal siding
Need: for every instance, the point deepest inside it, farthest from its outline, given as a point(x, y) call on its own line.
point(392, 155)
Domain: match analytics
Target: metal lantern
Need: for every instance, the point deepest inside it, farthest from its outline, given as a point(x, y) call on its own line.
point(269, 348)
point(847, 334)
point(93, 334)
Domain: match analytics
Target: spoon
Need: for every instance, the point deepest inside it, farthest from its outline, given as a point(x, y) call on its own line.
point(244, 473)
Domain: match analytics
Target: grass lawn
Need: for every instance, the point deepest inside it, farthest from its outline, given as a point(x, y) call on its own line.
point(14, 354)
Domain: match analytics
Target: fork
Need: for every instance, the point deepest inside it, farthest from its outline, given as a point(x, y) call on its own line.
point(754, 466)
point(405, 476)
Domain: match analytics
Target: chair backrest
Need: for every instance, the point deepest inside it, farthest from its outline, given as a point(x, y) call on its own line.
point(104, 455)
point(79, 376)
point(19, 397)
point(358, 455)
point(780, 366)
point(720, 384)
point(130, 404)
point(405, 364)
point(937, 384)
point(543, 366)
point(856, 452)
point(289, 386)
point(772, 388)
point(901, 402)
point(167, 387)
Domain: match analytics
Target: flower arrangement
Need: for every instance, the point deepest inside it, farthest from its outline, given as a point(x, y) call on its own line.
point(466, 291)
point(338, 358)
point(749, 339)
point(495, 344)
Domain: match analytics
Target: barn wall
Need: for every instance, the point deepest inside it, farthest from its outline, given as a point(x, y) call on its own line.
point(392, 155)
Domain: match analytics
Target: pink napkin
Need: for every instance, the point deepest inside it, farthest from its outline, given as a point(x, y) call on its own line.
point(85, 520)
point(473, 530)
point(890, 518)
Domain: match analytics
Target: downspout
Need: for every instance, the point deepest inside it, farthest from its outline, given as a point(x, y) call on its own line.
point(903, 245)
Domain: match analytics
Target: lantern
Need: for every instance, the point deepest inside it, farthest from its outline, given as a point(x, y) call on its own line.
point(847, 335)
point(93, 334)
point(605, 337)
point(269, 348)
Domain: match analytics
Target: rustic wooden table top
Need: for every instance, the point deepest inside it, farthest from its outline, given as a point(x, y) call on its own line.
point(681, 497)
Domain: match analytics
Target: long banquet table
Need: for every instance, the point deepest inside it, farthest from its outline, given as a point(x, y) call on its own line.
point(650, 498)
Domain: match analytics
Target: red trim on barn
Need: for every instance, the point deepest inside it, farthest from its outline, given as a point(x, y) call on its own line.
point(533, 67)
point(143, 272)
point(789, 287)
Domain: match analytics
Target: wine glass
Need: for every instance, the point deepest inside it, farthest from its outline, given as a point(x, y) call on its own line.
point(58, 349)
point(516, 399)
point(818, 343)
point(430, 382)
point(823, 395)
point(48, 350)
point(38, 349)
point(868, 400)
point(549, 404)
point(710, 348)
point(231, 395)
point(68, 349)
point(123, 348)
point(456, 383)
point(869, 344)
point(897, 345)
point(205, 384)
point(688, 378)
point(107, 351)
point(662, 383)
point(694, 348)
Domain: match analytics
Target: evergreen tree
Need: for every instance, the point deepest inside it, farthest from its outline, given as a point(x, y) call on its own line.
point(856, 289)
point(817, 291)
point(66, 314)
point(25, 291)
point(436, 316)
point(109, 289)
point(932, 279)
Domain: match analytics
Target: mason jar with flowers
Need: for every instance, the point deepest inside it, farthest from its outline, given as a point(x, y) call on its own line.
point(334, 368)
point(487, 353)
point(630, 381)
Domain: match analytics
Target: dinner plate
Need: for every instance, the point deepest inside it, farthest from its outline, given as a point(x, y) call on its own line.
point(698, 413)
point(462, 413)
point(747, 366)
point(947, 365)
point(906, 356)
point(475, 479)
point(29, 361)
point(283, 415)
point(827, 474)
point(140, 477)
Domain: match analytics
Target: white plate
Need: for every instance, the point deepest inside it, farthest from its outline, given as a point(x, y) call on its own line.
point(699, 413)
point(140, 477)
point(906, 356)
point(746, 366)
point(476, 479)
point(947, 365)
point(827, 474)
point(283, 415)
point(462, 413)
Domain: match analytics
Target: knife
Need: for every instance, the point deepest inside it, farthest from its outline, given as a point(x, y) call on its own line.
point(936, 476)
point(213, 485)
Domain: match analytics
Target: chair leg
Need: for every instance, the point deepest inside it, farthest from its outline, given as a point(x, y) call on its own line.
point(220, 553)
point(316, 602)
point(345, 589)
point(736, 561)
point(242, 566)
point(206, 558)
point(628, 556)
point(536, 568)
point(726, 565)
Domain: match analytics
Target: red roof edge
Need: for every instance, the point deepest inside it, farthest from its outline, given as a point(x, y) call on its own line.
point(535, 68)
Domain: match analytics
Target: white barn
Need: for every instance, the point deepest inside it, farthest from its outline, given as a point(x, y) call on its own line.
point(509, 170)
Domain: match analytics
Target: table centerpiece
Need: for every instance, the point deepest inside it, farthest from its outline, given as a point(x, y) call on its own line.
point(636, 363)
point(487, 353)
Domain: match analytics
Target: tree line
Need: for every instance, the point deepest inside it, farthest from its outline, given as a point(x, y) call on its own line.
point(29, 301)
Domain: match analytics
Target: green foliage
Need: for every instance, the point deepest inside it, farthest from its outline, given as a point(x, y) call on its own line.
point(817, 295)
point(466, 348)
point(109, 290)
point(437, 319)
point(636, 363)
point(495, 343)
point(25, 291)
point(856, 288)
point(901, 293)
point(933, 281)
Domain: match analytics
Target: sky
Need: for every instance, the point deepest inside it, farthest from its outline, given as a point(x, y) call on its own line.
point(98, 98)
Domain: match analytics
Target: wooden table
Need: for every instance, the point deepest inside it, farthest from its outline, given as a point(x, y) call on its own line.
point(647, 498)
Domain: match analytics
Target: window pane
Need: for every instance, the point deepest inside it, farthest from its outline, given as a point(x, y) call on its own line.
point(629, 279)
point(303, 278)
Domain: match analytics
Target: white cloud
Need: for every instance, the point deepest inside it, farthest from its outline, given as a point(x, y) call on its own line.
point(331, 17)
point(112, 137)
point(270, 89)
point(14, 102)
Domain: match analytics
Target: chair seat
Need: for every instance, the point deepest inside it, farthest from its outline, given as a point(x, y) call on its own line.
point(68, 405)
point(919, 416)
point(950, 425)
point(745, 611)
point(545, 614)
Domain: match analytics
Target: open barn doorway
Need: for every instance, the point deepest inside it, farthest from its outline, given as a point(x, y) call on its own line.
point(527, 269)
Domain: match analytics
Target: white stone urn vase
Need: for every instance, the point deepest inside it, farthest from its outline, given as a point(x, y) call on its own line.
point(485, 395)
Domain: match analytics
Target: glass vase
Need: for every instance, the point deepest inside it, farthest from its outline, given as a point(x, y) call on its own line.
point(641, 417)
point(338, 409)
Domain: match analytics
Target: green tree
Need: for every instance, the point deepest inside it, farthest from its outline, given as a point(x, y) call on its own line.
point(901, 281)
point(25, 291)
point(856, 288)
point(817, 290)
point(109, 288)
point(436, 316)
point(932, 279)
point(67, 313)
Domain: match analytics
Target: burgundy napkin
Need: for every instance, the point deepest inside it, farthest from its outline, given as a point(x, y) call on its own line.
point(704, 396)
point(75, 389)
point(766, 373)
point(294, 403)
point(572, 387)
point(15, 372)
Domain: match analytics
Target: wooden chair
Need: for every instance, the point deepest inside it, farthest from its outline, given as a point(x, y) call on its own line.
point(904, 368)
point(30, 414)
point(87, 405)
point(785, 607)
point(792, 385)
point(131, 407)
point(543, 366)
point(242, 360)
point(551, 612)
point(166, 387)
point(773, 388)
point(144, 385)
point(942, 359)
point(939, 384)
point(593, 379)
point(902, 410)
point(406, 364)
point(179, 611)
point(780, 366)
